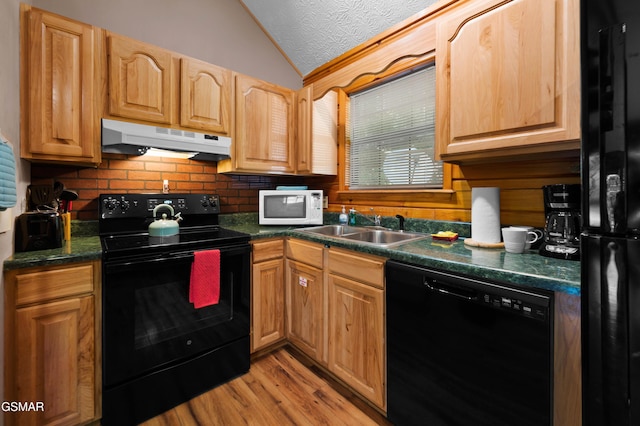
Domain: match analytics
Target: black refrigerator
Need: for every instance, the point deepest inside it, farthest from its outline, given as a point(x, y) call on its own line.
point(610, 243)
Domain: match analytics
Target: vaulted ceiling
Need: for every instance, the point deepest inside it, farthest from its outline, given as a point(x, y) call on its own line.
point(313, 32)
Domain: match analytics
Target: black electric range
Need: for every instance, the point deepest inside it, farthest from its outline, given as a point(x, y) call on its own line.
point(159, 347)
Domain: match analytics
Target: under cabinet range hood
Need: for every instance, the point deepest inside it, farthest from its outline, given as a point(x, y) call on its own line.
point(123, 137)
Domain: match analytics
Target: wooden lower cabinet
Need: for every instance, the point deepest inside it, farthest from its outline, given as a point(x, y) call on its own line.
point(52, 342)
point(267, 293)
point(305, 301)
point(335, 313)
point(356, 336)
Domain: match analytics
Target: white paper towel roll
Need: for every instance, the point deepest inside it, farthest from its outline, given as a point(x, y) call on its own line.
point(485, 215)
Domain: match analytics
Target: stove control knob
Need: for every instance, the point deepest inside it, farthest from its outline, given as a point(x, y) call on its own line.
point(124, 205)
point(205, 203)
point(213, 202)
point(110, 204)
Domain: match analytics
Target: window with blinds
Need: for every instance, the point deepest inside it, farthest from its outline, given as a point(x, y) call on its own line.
point(392, 134)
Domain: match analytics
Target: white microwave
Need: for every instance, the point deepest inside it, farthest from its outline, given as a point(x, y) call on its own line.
point(290, 207)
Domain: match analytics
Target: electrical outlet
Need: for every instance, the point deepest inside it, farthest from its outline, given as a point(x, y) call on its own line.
point(325, 202)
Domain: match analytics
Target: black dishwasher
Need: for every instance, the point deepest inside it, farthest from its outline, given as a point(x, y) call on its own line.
point(466, 352)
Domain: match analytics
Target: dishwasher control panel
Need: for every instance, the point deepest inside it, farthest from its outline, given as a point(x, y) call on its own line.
point(494, 295)
point(515, 305)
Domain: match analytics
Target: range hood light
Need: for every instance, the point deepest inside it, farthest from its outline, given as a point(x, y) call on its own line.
point(158, 152)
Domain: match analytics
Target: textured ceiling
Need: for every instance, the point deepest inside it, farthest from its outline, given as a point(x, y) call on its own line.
point(313, 32)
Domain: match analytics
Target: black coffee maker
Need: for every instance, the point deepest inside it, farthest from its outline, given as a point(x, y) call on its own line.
point(563, 222)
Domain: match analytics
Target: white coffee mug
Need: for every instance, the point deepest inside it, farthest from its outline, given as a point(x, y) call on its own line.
point(538, 234)
point(515, 239)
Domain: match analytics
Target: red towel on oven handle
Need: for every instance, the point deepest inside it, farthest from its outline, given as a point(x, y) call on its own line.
point(204, 288)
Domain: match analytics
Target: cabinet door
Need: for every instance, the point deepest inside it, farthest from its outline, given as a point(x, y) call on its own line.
point(508, 79)
point(55, 362)
point(304, 292)
point(205, 96)
point(141, 80)
point(304, 139)
point(267, 303)
point(317, 138)
point(356, 336)
point(59, 90)
point(264, 139)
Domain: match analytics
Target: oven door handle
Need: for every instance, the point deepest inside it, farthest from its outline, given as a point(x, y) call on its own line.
point(137, 263)
point(177, 256)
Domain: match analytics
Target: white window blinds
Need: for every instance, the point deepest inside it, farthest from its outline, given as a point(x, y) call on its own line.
point(392, 134)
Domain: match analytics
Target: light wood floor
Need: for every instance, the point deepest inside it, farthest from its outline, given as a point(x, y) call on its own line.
point(280, 389)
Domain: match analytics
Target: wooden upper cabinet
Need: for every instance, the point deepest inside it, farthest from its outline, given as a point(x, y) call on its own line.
point(317, 138)
point(148, 83)
point(304, 140)
point(141, 80)
point(264, 134)
point(59, 89)
point(205, 96)
point(508, 79)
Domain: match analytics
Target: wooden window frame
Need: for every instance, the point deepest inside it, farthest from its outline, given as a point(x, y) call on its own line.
point(345, 194)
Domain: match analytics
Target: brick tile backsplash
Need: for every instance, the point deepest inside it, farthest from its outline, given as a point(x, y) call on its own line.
point(121, 173)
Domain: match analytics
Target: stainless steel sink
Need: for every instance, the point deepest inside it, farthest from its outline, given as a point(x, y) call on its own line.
point(384, 238)
point(376, 237)
point(333, 230)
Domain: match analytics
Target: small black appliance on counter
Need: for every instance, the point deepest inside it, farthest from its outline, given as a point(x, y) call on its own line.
point(38, 231)
point(562, 222)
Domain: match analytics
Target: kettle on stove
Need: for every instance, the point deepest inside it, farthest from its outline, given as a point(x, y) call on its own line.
point(166, 225)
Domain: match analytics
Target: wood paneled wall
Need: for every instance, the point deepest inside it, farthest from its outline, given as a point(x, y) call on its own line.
point(520, 184)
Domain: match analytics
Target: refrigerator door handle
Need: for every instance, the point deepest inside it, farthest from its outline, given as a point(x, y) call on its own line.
point(614, 189)
point(612, 99)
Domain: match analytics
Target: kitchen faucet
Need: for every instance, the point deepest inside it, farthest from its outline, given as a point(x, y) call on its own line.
point(376, 218)
point(400, 222)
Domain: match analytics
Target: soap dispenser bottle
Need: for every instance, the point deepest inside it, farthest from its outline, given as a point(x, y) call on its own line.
point(352, 217)
point(343, 216)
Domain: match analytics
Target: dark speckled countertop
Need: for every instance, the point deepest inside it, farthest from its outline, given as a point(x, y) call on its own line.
point(526, 270)
point(83, 246)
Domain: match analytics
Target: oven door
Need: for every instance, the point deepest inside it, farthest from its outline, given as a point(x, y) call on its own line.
point(148, 321)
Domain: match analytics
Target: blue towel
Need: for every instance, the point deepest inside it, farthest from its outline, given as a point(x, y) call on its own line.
point(8, 194)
